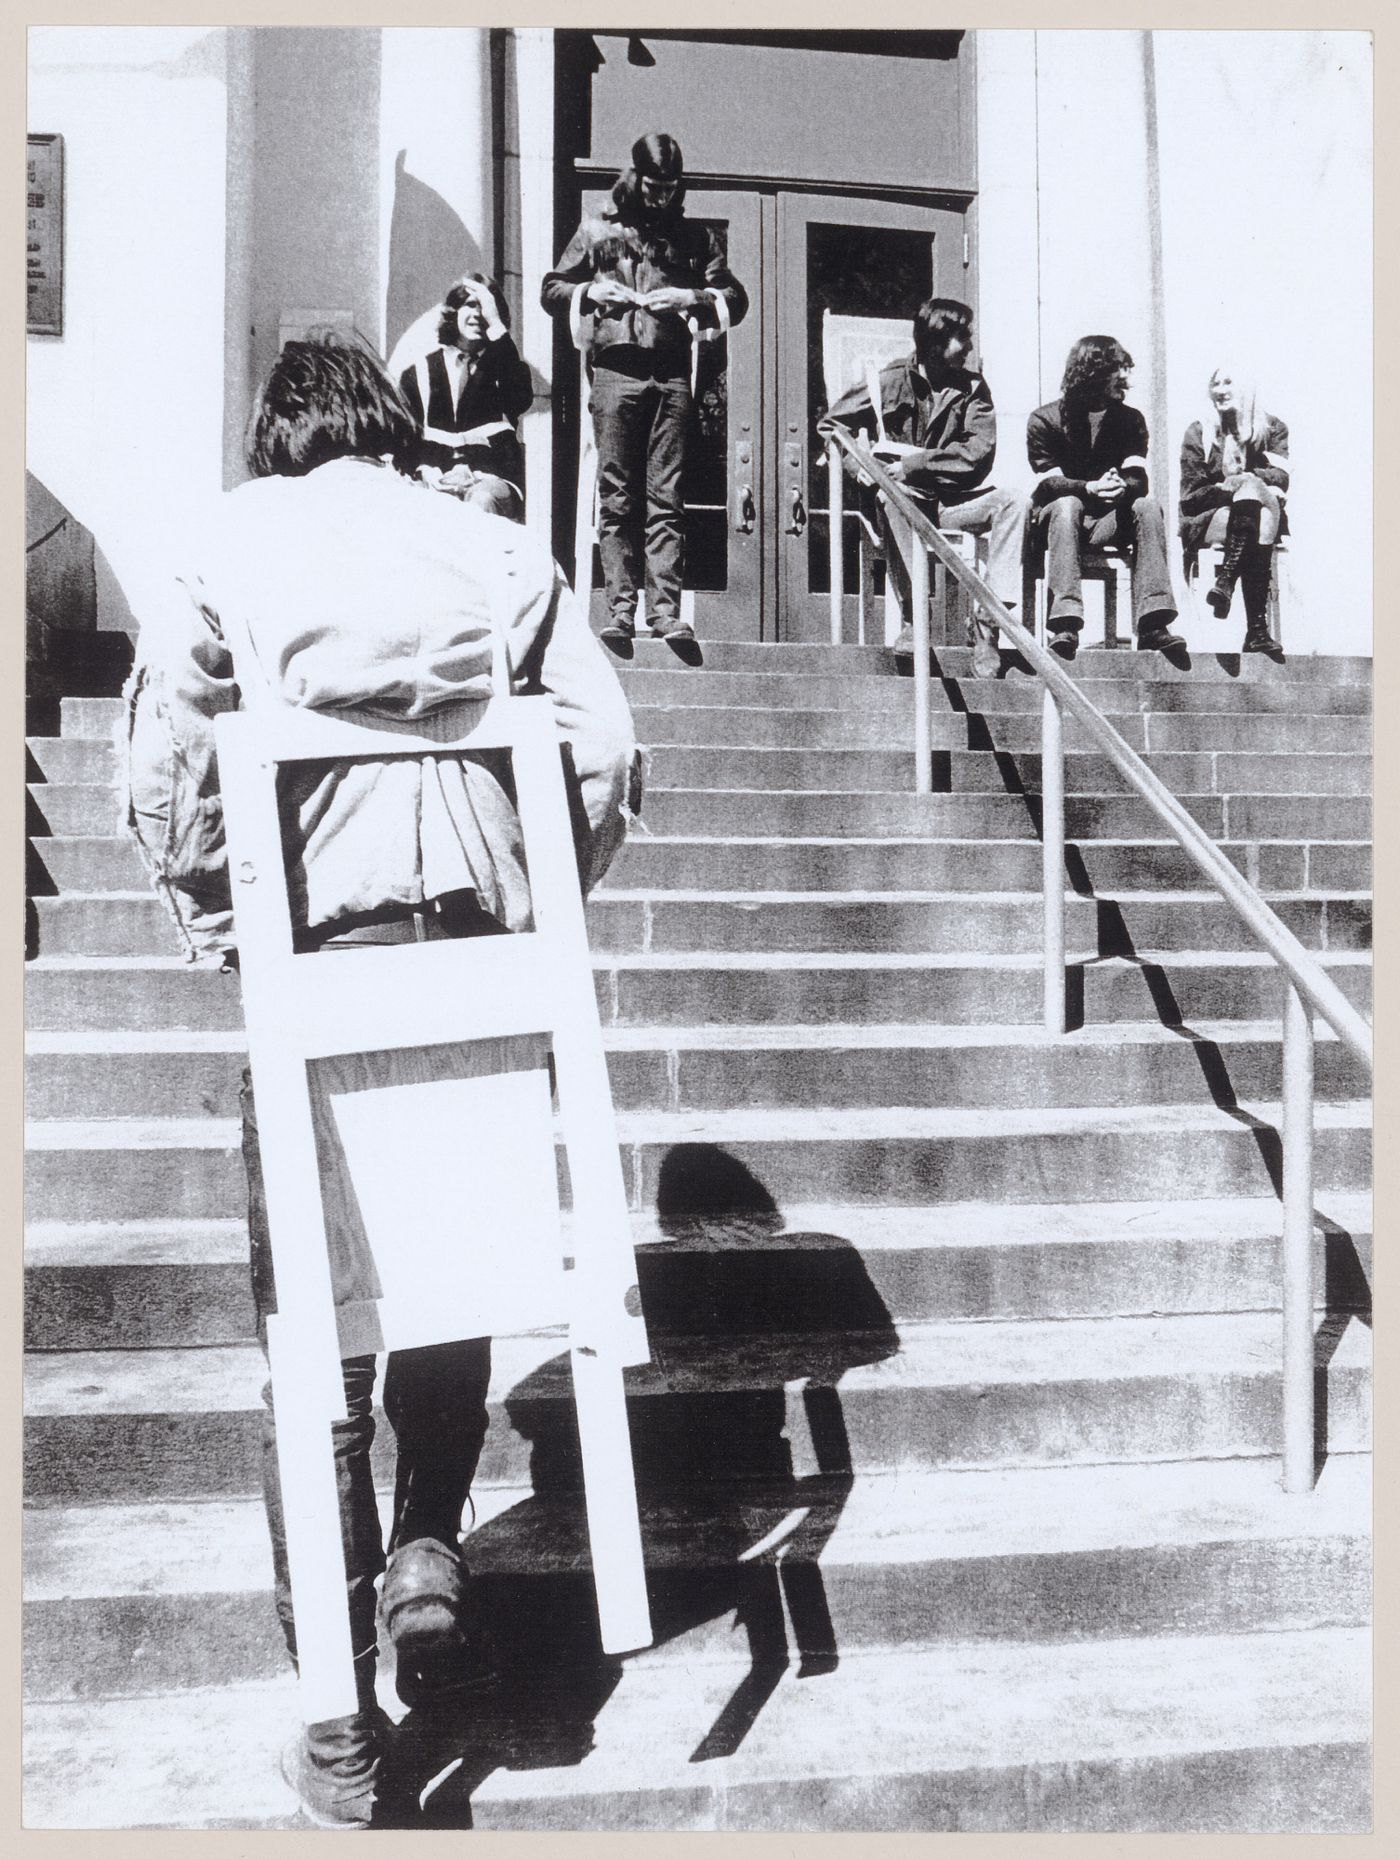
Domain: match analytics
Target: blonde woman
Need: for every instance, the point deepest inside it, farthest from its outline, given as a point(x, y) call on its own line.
point(1234, 476)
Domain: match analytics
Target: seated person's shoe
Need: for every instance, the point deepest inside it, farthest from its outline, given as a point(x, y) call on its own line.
point(334, 1768)
point(1221, 596)
point(986, 659)
point(621, 629)
point(1259, 640)
point(1064, 645)
point(1155, 635)
point(675, 631)
point(904, 645)
point(422, 1604)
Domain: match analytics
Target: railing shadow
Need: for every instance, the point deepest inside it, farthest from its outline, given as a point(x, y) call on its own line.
point(743, 1466)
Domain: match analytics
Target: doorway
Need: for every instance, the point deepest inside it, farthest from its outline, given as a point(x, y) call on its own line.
point(814, 265)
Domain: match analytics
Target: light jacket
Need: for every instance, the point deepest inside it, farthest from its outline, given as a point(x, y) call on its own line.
point(362, 593)
point(673, 250)
point(1202, 474)
point(954, 425)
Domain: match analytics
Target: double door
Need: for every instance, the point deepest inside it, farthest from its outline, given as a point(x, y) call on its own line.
point(828, 276)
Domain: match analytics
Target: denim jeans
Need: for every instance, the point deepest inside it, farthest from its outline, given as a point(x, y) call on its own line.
point(639, 427)
point(1137, 528)
point(435, 1402)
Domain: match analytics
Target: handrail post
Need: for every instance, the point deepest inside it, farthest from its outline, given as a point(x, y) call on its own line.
point(1299, 1447)
point(1052, 857)
point(836, 540)
point(917, 559)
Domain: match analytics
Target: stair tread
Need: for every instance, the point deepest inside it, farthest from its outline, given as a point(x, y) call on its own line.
point(758, 1124)
point(761, 1035)
point(981, 1706)
point(210, 1757)
point(228, 1378)
point(951, 1224)
point(81, 1552)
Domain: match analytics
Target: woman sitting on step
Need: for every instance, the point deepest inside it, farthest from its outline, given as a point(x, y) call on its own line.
point(1234, 474)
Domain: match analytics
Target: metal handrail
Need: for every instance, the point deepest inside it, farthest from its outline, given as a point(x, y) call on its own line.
point(1309, 988)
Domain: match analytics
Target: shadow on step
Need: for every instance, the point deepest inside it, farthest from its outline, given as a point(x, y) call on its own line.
point(743, 1467)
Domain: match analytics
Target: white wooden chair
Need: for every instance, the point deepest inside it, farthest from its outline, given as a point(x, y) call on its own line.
point(421, 1157)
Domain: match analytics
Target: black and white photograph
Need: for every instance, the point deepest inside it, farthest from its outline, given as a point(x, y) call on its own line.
point(845, 558)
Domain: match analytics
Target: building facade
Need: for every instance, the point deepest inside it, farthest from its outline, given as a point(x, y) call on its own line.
point(1203, 196)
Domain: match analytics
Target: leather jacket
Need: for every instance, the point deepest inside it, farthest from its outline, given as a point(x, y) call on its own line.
point(671, 250)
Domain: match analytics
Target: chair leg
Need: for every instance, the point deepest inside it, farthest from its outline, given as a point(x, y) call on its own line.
point(1110, 610)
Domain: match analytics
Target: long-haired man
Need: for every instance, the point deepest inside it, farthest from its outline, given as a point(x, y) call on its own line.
point(1089, 452)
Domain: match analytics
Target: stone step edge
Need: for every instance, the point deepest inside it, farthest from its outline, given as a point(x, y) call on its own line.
point(938, 1225)
point(885, 1122)
point(605, 961)
point(157, 1549)
point(1029, 1713)
point(1030, 1354)
point(753, 1036)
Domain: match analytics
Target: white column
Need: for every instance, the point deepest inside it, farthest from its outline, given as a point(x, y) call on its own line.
point(532, 161)
point(1008, 257)
point(435, 167)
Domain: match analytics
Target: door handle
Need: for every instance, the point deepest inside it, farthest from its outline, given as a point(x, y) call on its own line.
point(745, 511)
point(797, 513)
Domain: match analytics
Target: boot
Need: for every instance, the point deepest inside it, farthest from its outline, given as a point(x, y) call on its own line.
point(1241, 533)
point(986, 659)
point(422, 1604)
point(1256, 574)
point(334, 1767)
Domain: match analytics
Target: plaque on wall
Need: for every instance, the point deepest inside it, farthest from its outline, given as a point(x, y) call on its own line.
point(43, 236)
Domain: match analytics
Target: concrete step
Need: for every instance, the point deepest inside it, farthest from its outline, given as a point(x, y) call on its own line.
point(95, 865)
point(753, 726)
point(96, 993)
point(785, 657)
point(1109, 1736)
point(190, 1169)
point(125, 1426)
point(97, 718)
point(161, 1284)
point(78, 791)
point(1177, 986)
point(972, 864)
point(1262, 1732)
point(1230, 667)
point(708, 1067)
point(124, 1600)
point(626, 920)
point(904, 813)
point(977, 771)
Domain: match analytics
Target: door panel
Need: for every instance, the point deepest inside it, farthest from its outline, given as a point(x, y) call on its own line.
point(847, 258)
point(725, 492)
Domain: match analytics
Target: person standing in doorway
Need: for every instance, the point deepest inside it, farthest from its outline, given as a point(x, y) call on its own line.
point(1089, 452)
point(940, 440)
point(638, 282)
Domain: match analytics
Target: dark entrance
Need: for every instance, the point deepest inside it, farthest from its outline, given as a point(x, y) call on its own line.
point(799, 152)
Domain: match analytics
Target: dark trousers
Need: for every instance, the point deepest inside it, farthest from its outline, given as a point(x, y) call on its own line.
point(639, 428)
point(435, 1401)
point(1137, 528)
